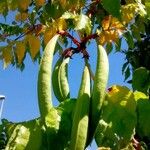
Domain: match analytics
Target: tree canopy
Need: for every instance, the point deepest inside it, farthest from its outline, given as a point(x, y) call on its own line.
point(116, 118)
point(37, 21)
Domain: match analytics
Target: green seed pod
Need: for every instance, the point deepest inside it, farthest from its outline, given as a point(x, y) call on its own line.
point(60, 80)
point(44, 78)
point(81, 114)
point(99, 87)
point(63, 79)
point(55, 81)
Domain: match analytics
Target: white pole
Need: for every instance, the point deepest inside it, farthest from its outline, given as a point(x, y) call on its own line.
point(2, 98)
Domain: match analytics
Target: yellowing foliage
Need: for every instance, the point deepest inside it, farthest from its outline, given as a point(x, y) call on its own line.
point(21, 16)
point(39, 2)
point(108, 36)
point(118, 93)
point(49, 33)
point(7, 56)
point(112, 29)
point(63, 3)
point(20, 51)
point(60, 24)
point(128, 12)
point(23, 4)
point(34, 44)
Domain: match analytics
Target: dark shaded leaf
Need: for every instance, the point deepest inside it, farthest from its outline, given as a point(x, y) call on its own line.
point(113, 7)
point(143, 111)
point(127, 73)
point(141, 80)
point(129, 39)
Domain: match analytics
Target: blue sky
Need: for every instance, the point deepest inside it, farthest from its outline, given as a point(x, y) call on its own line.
point(20, 88)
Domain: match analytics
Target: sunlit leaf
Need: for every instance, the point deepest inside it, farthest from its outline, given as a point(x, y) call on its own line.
point(118, 120)
point(68, 15)
point(7, 56)
point(20, 51)
point(60, 23)
point(34, 45)
point(112, 29)
point(49, 33)
point(110, 22)
point(83, 24)
point(24, 135)
point(128, 12)
point(147, 5)
point(108, 36)
point(59, 123)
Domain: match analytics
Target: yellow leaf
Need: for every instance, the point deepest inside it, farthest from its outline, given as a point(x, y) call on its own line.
point(20, 51)
point(21, 16)
point(110, 22)
point(7, 56)
point(122, 95)
point(24, 4)
point(13, 4)
point(63, 3)
point(128, 12)
point(49, 33)
point(61, 24)
point(34, 45)
point(118, 93)
point(112, 29)
point(39, 2)
point(108, 36)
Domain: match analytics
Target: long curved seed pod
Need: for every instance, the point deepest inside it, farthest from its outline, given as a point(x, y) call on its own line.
point(55, 81)
point(81, 114)
point(99, 87)
point(44, 78)
point(60, 80)
point(63, 79)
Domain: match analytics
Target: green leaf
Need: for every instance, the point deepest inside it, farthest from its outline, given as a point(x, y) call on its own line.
point(118, 118)
point(124, 66)
point(118, 45)
point(127, 73)
point(143, 111)
point(136, 32)
point(83, 24)
point(3, 7)
point(113, 7)
point(147, 5)
point(24, 135)
point(59, 123)
point(141, 80)
point(109, 47)
point(129, 39)
point(53, 10)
